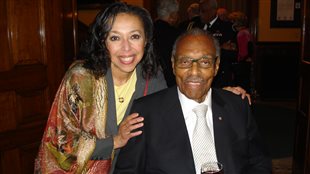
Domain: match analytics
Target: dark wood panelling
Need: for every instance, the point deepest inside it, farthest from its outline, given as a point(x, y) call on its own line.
point(36, 37)
point(300, 142)
point(4, 46)
point(20, 78)
point(28, 152)
point(276, 69)
point(15, 139)
point(25, 31)
point(33, 106)
point(10, 162)
point(70, 32)
point(7, 118)
point(301, 157)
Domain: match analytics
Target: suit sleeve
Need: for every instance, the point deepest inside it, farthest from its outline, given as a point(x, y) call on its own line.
point(131, 158)
point(157, 83)
point(259, 159)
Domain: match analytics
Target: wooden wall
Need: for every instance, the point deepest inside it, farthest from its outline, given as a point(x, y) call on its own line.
point(268, 34)
point(301, 157)
point(37, 37)
point(277, 68)
point(277, 55)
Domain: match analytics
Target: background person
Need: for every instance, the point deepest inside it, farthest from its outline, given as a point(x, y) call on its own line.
point(242, 67)
point(223, 31)
point(193, 12)
point(166, 144)
point(222, 13)
point(165, 33)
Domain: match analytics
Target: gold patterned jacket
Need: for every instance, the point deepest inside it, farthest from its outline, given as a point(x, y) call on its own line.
point(77, 117)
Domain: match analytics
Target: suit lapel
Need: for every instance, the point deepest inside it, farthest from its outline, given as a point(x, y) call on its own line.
point(220, 126)
point(175, 119)
point(111, 119)
point(140, 85)
point(215, 25)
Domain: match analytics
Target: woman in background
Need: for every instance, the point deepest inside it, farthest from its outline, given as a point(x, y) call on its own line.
point(242, 69)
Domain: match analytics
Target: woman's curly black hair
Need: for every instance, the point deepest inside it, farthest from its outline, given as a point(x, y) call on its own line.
point(94, 51)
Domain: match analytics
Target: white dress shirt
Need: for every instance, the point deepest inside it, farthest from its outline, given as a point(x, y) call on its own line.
point(190, 117)
point(210, 23)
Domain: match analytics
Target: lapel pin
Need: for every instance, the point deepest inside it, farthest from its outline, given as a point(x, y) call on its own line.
point(220, 118)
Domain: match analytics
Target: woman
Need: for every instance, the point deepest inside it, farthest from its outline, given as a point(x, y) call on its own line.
point(94, 95)
point(245, 50)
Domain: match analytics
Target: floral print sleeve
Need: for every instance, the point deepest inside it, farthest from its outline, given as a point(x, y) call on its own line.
point(77, 117)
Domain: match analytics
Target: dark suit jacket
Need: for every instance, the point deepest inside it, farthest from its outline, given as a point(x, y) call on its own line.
point(164, 146)
point(222, 30)
point(164, 37)
point(188, 24)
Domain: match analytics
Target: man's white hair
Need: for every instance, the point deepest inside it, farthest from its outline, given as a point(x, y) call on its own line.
point(166, 7)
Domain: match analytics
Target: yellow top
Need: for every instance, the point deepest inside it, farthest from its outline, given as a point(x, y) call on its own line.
point(123, 95)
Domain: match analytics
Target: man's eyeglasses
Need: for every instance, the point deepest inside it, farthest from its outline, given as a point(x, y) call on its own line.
point(203, 62)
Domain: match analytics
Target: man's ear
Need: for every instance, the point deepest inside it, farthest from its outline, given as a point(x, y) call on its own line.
point(172, 63)
point(217, 65)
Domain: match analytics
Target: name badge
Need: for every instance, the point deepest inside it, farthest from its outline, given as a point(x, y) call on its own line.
point(217, 34)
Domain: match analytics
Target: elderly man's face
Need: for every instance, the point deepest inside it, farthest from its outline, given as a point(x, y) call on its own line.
point(195, 65)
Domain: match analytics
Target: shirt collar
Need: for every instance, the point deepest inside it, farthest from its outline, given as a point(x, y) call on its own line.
point(188, 104)
point(212, 22)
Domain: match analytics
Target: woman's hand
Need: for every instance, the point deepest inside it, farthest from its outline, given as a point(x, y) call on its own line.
point(239, 91)
point(229, 46)
point(126, 130)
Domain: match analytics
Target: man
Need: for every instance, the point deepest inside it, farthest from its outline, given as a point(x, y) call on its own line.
point(193, 12)
point(165, 33)
point(222, 13)
point(223, 31)
point(168, 141)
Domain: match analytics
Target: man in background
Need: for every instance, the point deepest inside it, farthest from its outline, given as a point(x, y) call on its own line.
point(193, 12)
point(165, 34)
point(222, 13)
point(223, 31)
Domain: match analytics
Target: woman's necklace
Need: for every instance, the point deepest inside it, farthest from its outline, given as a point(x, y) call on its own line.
point(120, 92)
point(123, 90)
point(121, 99)
point(123, 95)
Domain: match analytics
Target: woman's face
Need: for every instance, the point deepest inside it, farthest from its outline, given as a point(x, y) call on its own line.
point(125, 43)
